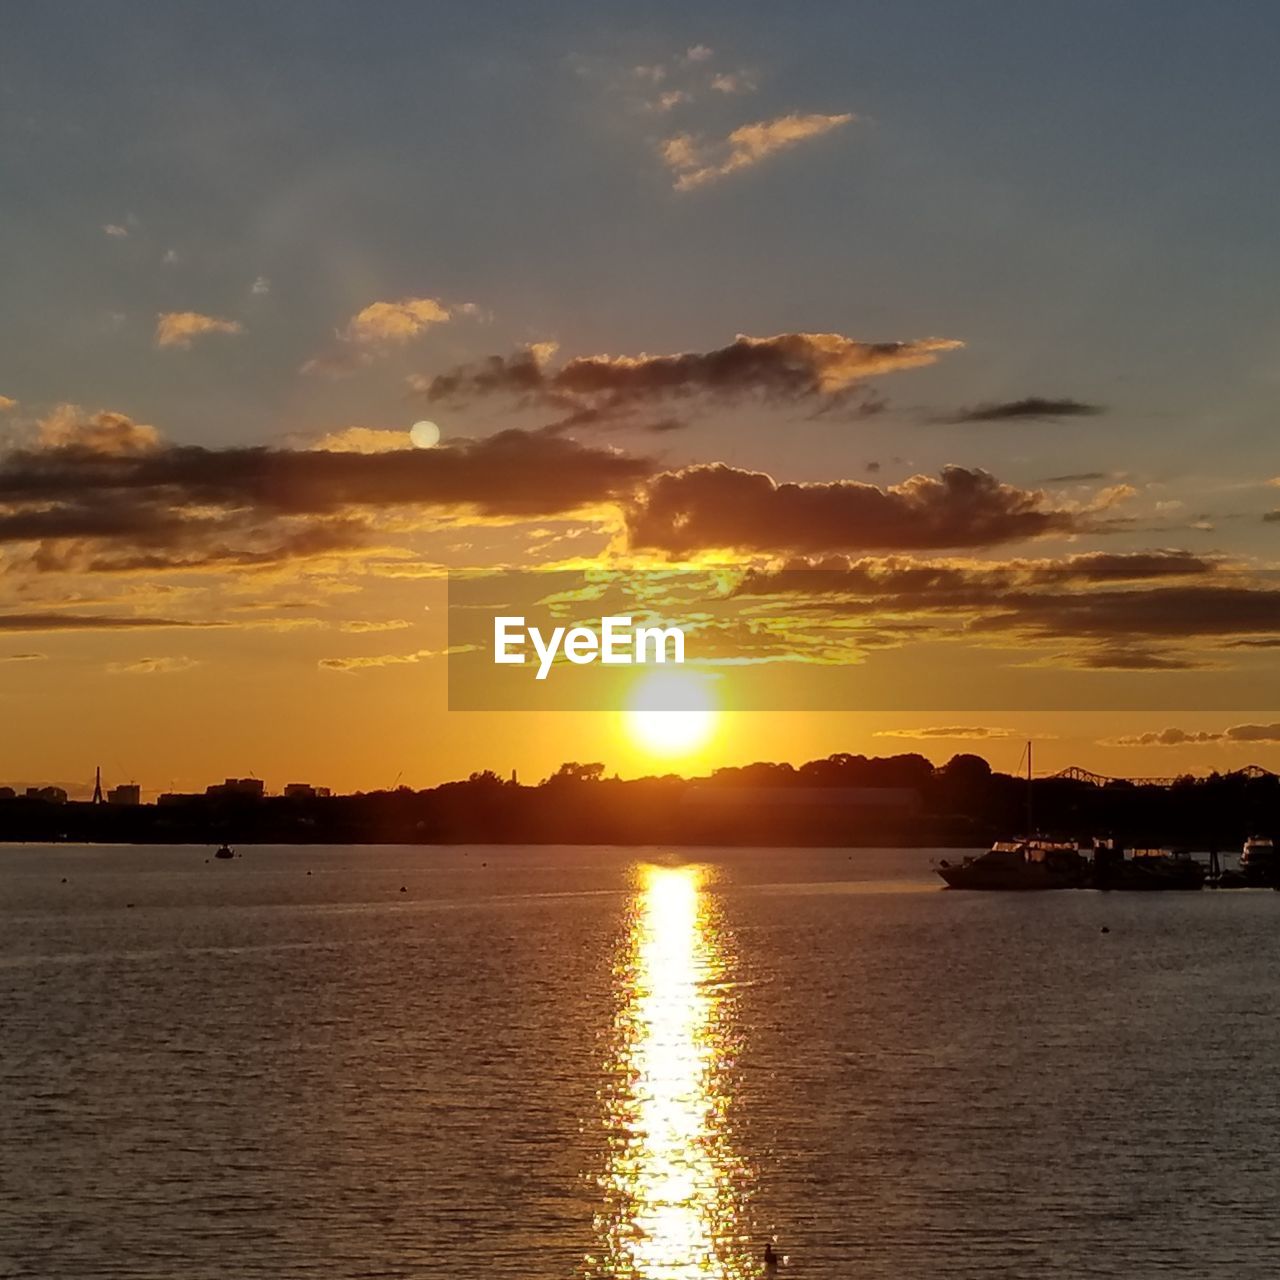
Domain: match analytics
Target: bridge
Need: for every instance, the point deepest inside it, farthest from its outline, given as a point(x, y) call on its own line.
point(1077, 774)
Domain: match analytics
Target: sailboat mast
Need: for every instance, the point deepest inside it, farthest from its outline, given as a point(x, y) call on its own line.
point(1031, 830)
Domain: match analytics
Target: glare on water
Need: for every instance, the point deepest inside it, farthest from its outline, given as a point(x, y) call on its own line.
point(675, 1189)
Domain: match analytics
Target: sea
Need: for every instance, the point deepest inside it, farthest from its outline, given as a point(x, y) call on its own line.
point(323, 1063)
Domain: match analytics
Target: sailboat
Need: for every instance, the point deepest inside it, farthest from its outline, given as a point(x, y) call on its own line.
point(1027, 863)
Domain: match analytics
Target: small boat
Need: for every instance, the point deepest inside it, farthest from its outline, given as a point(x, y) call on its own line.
point(1020, 865)
point(1260, 861)
point(225, 851)
point(1145, 869)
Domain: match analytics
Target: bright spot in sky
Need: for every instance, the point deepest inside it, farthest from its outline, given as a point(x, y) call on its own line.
point(425, 435)
point(671, 713)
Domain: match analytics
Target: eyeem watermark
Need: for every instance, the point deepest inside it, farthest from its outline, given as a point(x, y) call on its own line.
point(617, 644)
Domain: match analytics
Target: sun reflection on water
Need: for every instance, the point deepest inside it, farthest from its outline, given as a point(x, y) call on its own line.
point(675, 1189)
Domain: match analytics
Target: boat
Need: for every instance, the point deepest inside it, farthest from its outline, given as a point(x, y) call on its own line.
point(225, 851)
point(1028, 864)
point(1260, 861)
point(1020, 865)
point(1145, 869)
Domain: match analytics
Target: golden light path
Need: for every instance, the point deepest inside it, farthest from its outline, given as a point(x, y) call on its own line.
point(675, 1190)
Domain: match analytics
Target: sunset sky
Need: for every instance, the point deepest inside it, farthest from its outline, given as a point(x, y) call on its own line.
point(989, 289)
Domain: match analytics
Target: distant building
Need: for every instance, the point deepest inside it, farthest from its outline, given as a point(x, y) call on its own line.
point(166, 799)
point(248, 788)
point(50, 795)
point(125, 793)
point(304, 791)
point(7, 793)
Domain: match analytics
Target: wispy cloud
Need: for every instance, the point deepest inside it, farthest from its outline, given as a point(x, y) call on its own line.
point(348, 666)
point(1028, 409)
point(946, 732)
point(152, 666)
point(7, 403)
point(115, 230)
point(696, 161)
point(359, 626)
point(182, 328)
point(1174, 737)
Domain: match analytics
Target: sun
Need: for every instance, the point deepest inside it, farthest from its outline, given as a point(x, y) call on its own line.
point(671, 713)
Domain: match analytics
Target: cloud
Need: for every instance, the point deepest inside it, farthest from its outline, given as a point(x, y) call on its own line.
point(86, 622)
point(152, 666)
point(695, 162)
point(23, 657)
point(1029, 409)
point(732, 82)
point(170, 257)
point(946, 732)
point(1127, 612)
point(363, 440)
point(1177, 612)
point(181, 328)
point(1130, 658)
point(260, 286)
point(1193, 737)
point(1078, 477)
point(378, 328)
point(349, 665)
point(7, 403)
point(115, 230)
point(717, 507)
point(359, 626)
point(395, 322)
point(110, 434)
point(1272, 517)
point(698, 53)
point(822, 370)
point(183, 507)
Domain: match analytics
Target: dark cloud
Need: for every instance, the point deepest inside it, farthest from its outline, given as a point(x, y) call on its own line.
point(1079, 477)
point(79, 505)
point(1029, 409)
point(822, 370)
point(1173, 612)
point(1133, 611)
point(913, 584)
point(717, 507)
point(1174, 737)
point(1272, 517)
point(1130, 659)
point(85, 622)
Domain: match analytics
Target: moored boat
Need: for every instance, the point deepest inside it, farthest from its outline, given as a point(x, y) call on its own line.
point(1145, 869)
point(1260, 861)
point(1020, 865)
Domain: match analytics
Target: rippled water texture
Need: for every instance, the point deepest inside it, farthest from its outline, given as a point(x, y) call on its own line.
point(556, 1063)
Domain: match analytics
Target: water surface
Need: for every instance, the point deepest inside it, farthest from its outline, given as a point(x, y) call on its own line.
point(553, 1063)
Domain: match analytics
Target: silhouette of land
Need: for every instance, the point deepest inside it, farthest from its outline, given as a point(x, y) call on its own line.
point(843, 800)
